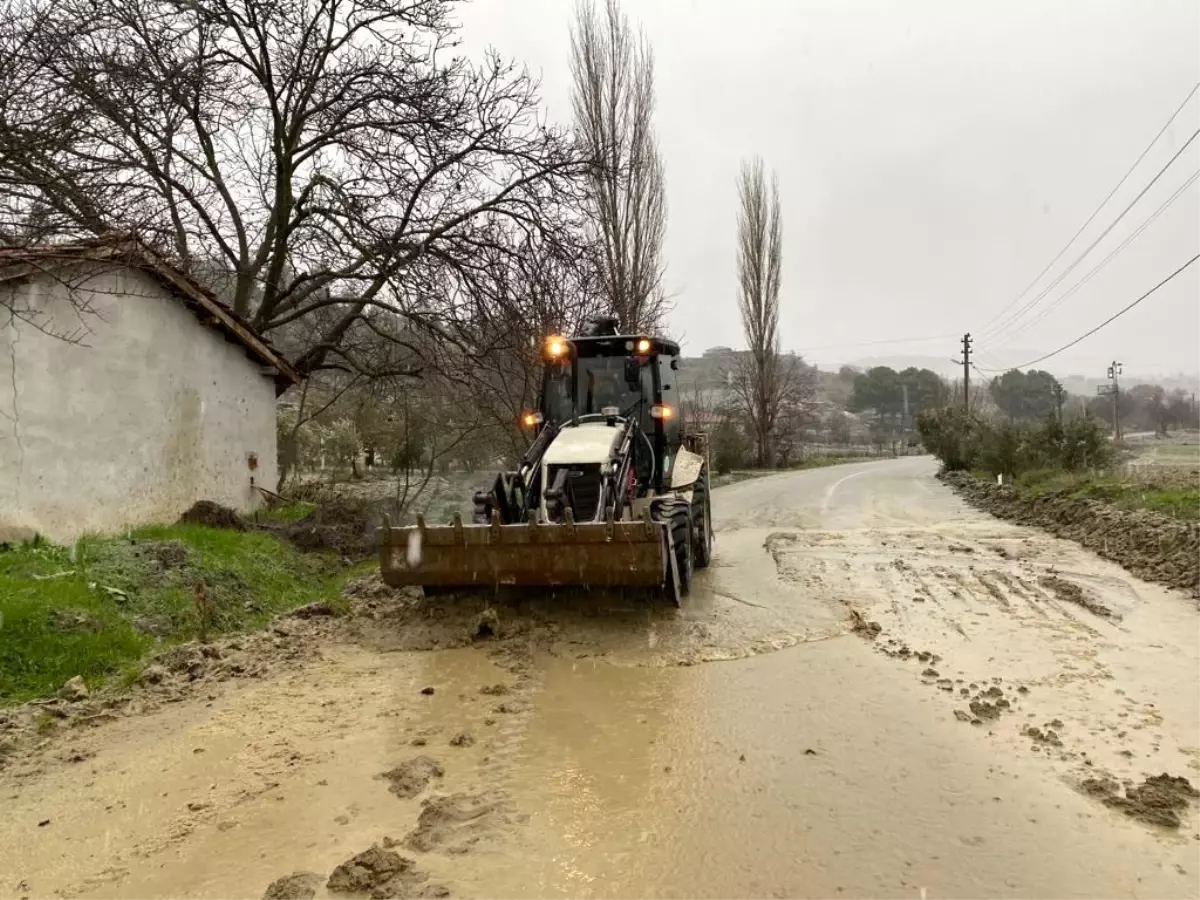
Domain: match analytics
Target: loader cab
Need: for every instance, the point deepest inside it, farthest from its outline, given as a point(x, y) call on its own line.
point(593, 373)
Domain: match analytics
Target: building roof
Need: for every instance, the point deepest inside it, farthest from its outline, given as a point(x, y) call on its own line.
point(18, 263)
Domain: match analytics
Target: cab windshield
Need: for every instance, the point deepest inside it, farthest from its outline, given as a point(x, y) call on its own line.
point(600, 383)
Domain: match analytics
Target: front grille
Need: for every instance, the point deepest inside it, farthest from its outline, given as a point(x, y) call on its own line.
point(582, 489)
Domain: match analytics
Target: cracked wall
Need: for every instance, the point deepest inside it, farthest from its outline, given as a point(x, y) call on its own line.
point(147, 413)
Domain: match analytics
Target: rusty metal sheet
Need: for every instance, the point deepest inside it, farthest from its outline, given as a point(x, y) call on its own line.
point(594, 554)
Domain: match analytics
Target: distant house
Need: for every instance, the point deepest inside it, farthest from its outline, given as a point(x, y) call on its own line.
point(127, 392)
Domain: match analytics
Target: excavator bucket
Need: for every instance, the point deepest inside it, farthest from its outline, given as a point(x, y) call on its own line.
point(592, 554)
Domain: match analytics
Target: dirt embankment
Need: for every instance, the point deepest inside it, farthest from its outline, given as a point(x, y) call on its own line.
point(342, 526)
point(1151, 546)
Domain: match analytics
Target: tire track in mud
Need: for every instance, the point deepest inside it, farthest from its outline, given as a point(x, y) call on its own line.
point(956, 607)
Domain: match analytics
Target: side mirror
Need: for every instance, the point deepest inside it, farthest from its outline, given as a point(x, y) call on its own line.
point(633, 374)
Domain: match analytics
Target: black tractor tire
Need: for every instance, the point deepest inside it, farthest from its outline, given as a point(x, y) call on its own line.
point(677, 513)
point(702, 521)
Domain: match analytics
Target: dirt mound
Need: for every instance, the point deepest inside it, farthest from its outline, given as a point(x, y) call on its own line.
point(381, 875)
point(862, 627)
point(297, 886)
point(1151, 546)
point(404, 619)
point(342, 526)
point(1069, 592)
point(171, 554)
point(214, 515)
point(410, 778)
point(1156, 801)
point(456, 823)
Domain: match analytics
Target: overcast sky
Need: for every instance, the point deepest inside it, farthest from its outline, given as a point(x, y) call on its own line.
point(932, 156)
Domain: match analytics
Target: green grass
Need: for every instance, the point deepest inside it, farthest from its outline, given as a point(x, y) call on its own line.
point(809, 462)
point(1179, 501)
point(292, 512)
point(820, 462)
point(37, 652)
point(97, 609)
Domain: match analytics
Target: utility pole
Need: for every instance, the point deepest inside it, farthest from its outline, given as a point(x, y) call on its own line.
point(966, 345)
point(1060, 395)
point(904, 421)
point(1113, 372)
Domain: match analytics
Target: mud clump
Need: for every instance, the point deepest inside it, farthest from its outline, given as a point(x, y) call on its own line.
point(984, 710)
point(382, 875)
point(297, 886)
point(862, 627)
point(1156, 801)
point(343, 526)
point(391, 619)
point(512, 707)
point(316, 609)
point(410, 778)
point(1068, 592)
point(986, 706)
point(1049, 736)
point(456, 823)
point(213, 515)
point(486, 626)
point(494, 690)
point(1150, 545)
point(1100, 788)
point(171, 554)
point(462, 740)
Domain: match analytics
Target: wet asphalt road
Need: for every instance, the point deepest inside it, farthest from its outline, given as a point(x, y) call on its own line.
point(756, 744)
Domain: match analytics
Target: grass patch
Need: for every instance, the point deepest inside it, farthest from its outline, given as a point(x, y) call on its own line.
point(96, 609)
point(291, 512)
point(1177, 500)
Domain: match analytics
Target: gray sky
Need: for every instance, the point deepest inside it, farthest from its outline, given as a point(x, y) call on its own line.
point(932, 155)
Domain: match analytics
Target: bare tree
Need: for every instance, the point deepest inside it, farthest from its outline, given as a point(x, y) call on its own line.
point(612, 70)
point(327, 158)
point(763, 380)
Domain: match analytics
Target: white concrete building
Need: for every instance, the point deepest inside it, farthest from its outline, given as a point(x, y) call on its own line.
point(127, 393)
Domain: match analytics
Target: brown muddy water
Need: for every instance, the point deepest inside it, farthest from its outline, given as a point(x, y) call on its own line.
point(875, 691)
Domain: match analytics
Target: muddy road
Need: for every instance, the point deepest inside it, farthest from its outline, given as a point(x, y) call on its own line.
point(874, 691)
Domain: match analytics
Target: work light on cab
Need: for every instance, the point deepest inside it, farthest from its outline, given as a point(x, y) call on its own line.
point(556, 347)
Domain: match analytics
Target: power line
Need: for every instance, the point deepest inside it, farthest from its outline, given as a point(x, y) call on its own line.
point(1096, 211)
point(1111, 318)
point(1008, 337)
point(1032, 303)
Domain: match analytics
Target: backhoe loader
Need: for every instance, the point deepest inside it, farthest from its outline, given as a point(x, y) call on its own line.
point(612, 492)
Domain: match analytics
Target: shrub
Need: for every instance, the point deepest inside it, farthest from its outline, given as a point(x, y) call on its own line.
point(964, 442)
point(730, 447)
point(951, 435)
